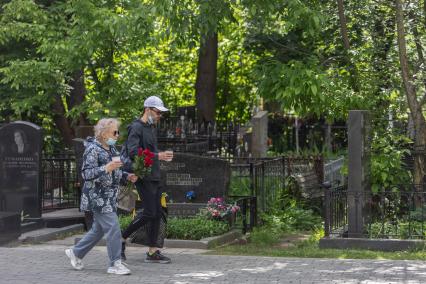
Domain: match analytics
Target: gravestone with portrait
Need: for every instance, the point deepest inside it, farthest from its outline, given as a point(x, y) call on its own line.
point(191, 180)
point(20, 168)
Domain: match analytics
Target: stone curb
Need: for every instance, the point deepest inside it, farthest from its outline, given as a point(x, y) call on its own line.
point(206, 243)
point(48, 234)
point(371, 244)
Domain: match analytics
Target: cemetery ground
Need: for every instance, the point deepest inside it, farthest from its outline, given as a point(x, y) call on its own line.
point(290, 258)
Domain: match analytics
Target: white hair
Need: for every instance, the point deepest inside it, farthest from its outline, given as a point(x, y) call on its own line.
point(103, 125)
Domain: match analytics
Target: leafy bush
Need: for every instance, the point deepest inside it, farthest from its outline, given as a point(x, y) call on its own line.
point(387, 166)
point(292, 218)
point(194, 228)
point(399, 229)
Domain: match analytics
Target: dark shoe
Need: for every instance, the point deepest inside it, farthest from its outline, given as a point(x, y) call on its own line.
point(157, 257)
point(123, 248)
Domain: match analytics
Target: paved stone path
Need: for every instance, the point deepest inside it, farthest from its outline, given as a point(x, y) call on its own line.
point(47, 263)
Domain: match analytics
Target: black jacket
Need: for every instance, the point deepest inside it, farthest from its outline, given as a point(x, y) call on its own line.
point(142, 135)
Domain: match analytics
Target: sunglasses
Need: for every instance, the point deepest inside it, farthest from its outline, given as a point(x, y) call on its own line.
point(156, 111)
point(116, 132)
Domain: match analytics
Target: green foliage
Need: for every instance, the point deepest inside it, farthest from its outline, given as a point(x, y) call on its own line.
point(401, 230)
point(240, 185)
point(387, 167)
point(195, 228)
point(292, 218)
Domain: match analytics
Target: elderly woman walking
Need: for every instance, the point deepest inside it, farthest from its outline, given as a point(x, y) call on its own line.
point(102, 176)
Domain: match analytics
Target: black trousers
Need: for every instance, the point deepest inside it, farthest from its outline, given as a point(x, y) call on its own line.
point(150, 193)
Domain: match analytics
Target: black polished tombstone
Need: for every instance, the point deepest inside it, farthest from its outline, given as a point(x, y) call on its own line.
point(10, 226)
point(206, 177)
point(20, 168)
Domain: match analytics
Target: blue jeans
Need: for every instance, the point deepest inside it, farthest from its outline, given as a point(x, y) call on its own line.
point(103, 224)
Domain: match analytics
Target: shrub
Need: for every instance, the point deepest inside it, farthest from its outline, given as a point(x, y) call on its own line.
point(195, 228)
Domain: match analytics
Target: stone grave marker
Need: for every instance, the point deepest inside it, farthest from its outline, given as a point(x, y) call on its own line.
point(259, 136)
point(206, 177)
point(20, 168)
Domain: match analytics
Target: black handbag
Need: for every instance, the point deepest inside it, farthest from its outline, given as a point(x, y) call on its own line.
point(140, 236)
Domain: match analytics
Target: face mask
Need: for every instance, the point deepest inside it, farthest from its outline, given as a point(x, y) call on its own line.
point(150, 120)
point(111, 141)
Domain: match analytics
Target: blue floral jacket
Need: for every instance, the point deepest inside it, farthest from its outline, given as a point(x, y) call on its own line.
point(100, 188)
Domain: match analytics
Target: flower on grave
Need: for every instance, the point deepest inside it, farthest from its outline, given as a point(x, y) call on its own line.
point(218, 209)
point(190, 195)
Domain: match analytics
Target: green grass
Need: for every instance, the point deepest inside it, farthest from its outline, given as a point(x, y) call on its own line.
point(309, 249)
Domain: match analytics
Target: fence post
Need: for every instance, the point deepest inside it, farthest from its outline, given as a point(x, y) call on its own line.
point(244, 215)
point(263, 187)
point(283, 172)
point(253, 211)
point(252, 181)
point(327, 205)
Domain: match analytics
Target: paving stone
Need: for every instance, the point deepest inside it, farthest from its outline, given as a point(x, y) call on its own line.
point(48, 264)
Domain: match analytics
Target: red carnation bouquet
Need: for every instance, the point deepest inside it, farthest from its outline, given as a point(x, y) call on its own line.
point(143, 162)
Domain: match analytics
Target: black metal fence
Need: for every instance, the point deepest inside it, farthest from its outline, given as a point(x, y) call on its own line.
point(247, 216)
point(60, 186)
point(336, 211)
point(265, 177)
point(182, 135)
point(394, 212)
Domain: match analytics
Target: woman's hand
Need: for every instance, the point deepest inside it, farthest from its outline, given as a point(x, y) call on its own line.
point(132, 177)
point(113, 165)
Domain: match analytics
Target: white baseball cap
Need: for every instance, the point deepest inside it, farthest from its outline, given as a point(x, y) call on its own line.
point(156, 102)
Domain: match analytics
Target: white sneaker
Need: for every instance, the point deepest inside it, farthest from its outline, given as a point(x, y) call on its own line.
point(75, 261)
point(118, 268)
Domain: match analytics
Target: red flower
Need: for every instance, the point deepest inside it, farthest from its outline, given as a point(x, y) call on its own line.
point(143, 162)
point(148, 153)
point(148, 161)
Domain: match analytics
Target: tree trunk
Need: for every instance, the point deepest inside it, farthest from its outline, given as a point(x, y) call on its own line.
point(413, 104)
point(345, 38)
point(61, 121)
point(343, 25)
point(77, 94)
point(205, 85)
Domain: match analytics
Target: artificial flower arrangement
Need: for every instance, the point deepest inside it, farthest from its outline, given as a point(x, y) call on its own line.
point(218, 209)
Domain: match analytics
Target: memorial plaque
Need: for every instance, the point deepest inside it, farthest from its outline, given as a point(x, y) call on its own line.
point(20, 168)
point(206, 177)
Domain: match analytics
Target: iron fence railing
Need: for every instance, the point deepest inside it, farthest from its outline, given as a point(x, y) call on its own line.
point(396, 212)
point(333, 172)
point(60, 186)
point(336, 211)
point(247, 216)
point(269, 179)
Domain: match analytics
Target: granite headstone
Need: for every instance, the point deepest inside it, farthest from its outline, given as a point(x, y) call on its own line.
point(20, 168)
point(259, 136)
point(10, 226)
point(206, 177)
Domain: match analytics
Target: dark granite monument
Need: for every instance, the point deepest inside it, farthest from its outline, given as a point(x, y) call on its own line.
point(359, 148)
point(10, 226)
point(20, 168)
point(205, 177)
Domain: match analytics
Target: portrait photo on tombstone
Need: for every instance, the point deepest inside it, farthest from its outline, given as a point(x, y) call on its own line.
point(20, 143)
